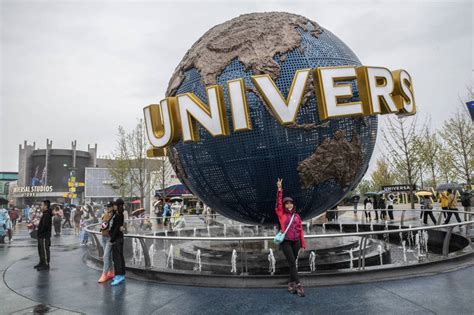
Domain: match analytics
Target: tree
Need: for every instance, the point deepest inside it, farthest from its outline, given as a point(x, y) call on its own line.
point(446, 165)
point(119, 167)
point(364, 186)
point(428, 147)
point(382, 176)
point(399, 141)
point(132, 162)
point(163, 176)
point(458, 135)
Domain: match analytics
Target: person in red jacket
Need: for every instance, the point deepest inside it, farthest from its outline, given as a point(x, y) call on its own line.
point(294, 238)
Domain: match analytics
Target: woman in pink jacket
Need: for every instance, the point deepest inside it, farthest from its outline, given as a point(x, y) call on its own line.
point(294, 238)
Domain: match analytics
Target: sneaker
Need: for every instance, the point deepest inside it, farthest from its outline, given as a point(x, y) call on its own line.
point(300, 290)
point(36, 266)
point(118, 280)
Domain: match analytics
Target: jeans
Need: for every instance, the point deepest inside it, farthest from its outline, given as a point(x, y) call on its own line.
point(291, 249)
point(117, 255)
point(107, 246)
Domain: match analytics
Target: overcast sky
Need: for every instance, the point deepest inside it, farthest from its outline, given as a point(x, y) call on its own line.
point(78, 69)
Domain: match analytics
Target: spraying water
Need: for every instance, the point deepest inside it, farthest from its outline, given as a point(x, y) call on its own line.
point(272, 262)
point(404, 245)
point(379, 247)
point(225, 230)
point(312, 261)
point(240, 230)
point(340, 227)
point(208, 231)
point(151, 253)
point(357, 227)
point(233, 261)
point(324, 228)
point(170, 259)
point(194, 232)
point(198, 264)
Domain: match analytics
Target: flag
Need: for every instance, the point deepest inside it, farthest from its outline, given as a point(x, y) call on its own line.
point(470, 107)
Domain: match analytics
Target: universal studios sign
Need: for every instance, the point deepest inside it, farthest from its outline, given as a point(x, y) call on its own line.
point(381, 91)
point(31, 191)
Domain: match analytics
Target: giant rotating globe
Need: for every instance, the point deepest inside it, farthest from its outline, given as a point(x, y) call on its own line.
point(319, 161)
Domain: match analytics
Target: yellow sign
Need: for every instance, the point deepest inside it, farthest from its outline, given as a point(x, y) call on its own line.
point(381, 91)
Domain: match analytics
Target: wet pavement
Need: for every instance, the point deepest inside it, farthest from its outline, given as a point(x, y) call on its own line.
point(71, 287)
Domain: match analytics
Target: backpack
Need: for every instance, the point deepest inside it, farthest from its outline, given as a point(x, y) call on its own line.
point(466, 199)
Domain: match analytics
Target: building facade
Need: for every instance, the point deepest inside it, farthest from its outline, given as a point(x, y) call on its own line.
point(50, 173)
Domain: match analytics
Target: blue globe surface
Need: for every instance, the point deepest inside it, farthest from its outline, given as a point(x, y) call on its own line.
point(237, 175)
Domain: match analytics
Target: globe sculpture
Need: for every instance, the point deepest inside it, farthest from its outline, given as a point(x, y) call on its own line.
point(319, 161)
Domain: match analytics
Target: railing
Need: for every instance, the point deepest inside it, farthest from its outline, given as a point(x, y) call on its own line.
point(172, 242)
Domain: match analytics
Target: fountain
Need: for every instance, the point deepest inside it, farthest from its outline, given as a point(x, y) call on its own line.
point(351, 257)
point(404, 243)
point(151, 253)
point(170, 259)
point(379, 247)
point(233, 261)
point(340, 227)
point(272, 262)
point(240, 230)
point(194, 232)
point(208, 231)
point(198, 264)
point(357, 227)
point(312, 261)
point(308, 227)
point(324, 228)
point(225, 230)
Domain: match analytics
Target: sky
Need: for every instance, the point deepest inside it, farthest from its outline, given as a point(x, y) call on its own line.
point(76, 70)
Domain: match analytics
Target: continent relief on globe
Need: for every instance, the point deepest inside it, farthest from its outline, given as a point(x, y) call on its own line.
point(335, 158)
point(255, 39)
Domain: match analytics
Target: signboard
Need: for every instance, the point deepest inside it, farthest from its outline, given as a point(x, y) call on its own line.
point(398, 188)
point(31, 191)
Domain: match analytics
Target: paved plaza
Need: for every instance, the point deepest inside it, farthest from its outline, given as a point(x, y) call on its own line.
point(71, 287)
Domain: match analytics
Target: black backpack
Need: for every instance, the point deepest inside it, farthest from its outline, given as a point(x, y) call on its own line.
point(466, 199)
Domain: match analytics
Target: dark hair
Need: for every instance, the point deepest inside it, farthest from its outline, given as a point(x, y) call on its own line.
point(450, 190)
point(47, 203)
point(119, 203)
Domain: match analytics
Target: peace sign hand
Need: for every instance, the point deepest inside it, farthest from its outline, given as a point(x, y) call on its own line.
point(279, 183)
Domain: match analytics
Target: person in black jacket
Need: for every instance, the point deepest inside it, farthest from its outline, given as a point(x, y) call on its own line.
point(44, 236)
point(116, 238)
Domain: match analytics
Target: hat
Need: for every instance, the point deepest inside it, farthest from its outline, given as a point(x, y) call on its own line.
point(110, 204)
point(119, 202)
point(288, 199)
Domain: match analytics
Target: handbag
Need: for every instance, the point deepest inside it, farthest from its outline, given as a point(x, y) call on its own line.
point(280, 237)
point(34, 234)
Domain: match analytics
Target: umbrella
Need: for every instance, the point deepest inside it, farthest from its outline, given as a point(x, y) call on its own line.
point(453, 186)
point(138, 212)
point(371, 193)
point(136, 202)
point(424, 193)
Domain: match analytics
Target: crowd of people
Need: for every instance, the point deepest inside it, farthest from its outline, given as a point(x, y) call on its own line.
point(382, 206)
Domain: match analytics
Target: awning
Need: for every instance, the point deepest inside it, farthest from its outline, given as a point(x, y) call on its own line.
point(173, 191)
